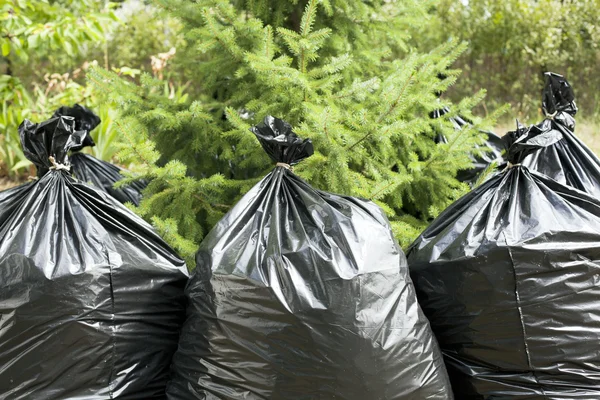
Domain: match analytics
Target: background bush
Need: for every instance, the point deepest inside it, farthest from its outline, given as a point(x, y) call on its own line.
point(47, 49)
point(512, 42)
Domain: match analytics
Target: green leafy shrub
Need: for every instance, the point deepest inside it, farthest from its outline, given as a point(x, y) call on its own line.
point(513, 42)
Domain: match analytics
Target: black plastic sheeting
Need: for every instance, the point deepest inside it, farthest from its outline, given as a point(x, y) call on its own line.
point(303, 294)
point(509, 277)
point(85, 120)
point(97, 172)
point(91, 298)
point(568, 161)
point(492, 150)
point(104, 175)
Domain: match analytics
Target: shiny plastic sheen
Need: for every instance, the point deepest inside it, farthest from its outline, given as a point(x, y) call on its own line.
point(89, 169)
point(91, 298)
point(301, 294)
point(85, 120)
point(103, 175)
point(569, 161)
point(509, 279)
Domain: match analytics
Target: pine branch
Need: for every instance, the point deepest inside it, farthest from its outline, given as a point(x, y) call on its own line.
point(308, 18)
point(397, 100)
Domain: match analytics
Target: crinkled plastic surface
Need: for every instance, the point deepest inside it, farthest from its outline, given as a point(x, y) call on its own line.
point(558, 95)
point(569, 161)
point(89, 169)
point(85, 120)
point(494, 148)
point(51, 138)
point(301, 294)
point(509, 279)
point(103, 175)
point(281, 143)
point(91, 298)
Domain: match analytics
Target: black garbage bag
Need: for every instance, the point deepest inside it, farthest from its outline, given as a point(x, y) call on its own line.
point(97, 172)
point(509, 277)
point(302, 294)
point(104, 175)
point(85, 120)
point(91, 298)
point(568, 161)
point(493, 149)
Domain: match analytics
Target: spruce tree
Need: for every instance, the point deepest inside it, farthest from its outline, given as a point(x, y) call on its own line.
point(342, 72)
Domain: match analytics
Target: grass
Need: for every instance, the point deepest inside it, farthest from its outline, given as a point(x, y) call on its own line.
point(590, 134)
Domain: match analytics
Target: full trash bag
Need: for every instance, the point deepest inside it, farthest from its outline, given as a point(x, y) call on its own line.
point(302, 294)
point(509, 278)
point(493, 149)
point(568, 161)
point(89, 169)
point(91, 298)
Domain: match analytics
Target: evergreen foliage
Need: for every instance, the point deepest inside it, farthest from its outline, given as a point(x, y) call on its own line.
point(340, 72)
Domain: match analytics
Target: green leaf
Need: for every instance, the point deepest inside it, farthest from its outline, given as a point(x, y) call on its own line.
point(21, 164)
point(114, 16)
point(32, 41)
point(96, 24)
point(68, 47)
point(5, 48)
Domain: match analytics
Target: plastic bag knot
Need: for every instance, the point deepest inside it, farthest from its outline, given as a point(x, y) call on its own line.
point(85, 120)
point(50, 140)
point(286, 166)
point(510, 165)
point(281, 143)
point(56, 166)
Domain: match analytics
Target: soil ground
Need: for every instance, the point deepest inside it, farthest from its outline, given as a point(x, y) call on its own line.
point(6, 183)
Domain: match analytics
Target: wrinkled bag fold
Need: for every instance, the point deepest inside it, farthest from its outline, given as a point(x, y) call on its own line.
point(303, 294)
point(91, 298)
